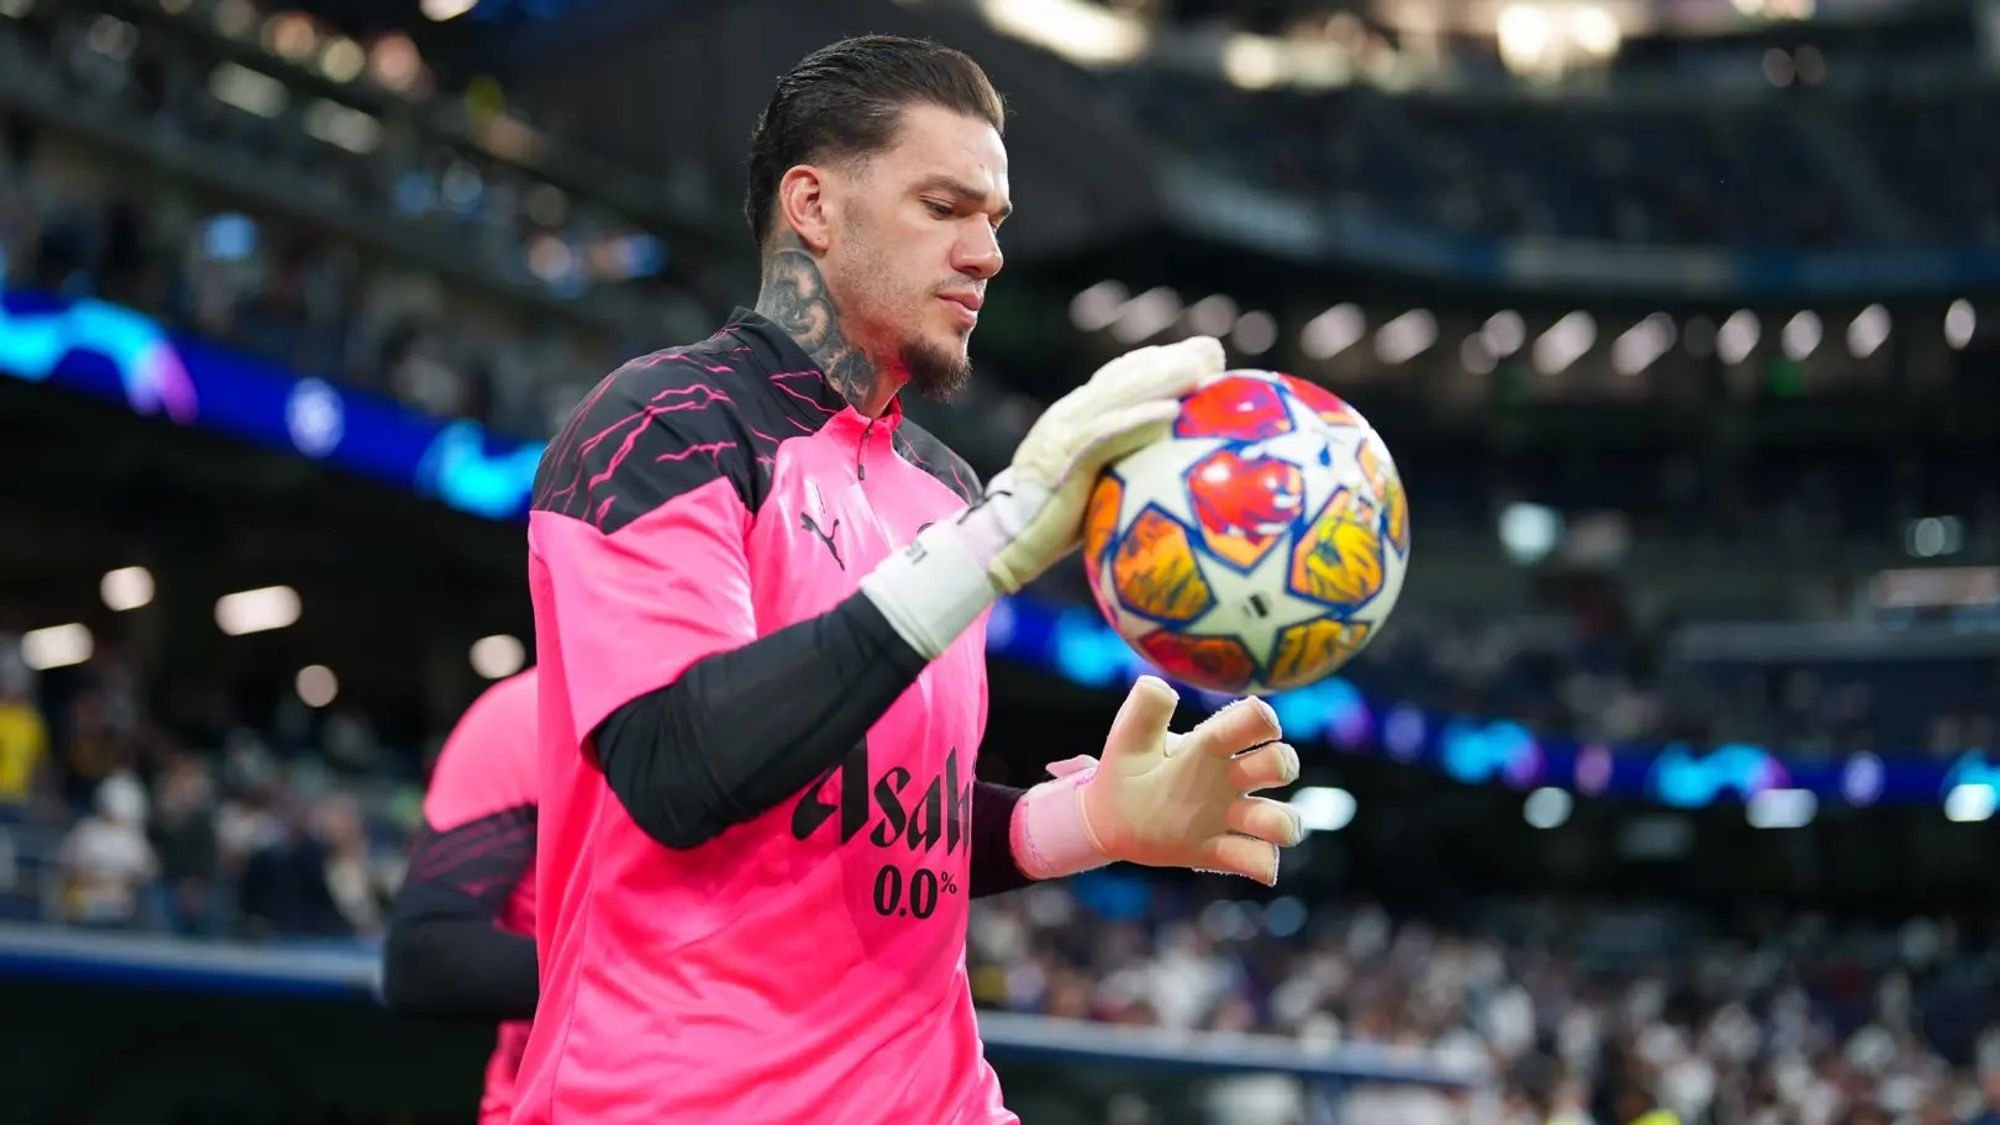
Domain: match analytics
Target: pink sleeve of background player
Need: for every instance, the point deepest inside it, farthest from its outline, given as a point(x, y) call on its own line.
point(632, 609)
point(488, 760)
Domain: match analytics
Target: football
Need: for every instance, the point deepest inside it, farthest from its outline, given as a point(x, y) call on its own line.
point(1259, 546)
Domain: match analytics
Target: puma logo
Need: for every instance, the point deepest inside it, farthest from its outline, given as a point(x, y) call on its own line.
point(826, 536)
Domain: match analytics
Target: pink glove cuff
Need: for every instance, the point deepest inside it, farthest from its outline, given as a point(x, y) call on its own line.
point(1050, 836)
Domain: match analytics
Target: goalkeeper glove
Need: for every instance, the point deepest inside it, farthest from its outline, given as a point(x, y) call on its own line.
point(1162, 799)
point(1032, 512)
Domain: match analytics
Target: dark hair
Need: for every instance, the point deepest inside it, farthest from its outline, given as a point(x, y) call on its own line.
point(845, 100)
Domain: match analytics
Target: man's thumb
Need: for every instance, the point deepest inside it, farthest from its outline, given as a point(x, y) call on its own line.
point(1142, 720)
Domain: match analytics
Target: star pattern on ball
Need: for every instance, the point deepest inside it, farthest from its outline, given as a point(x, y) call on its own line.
point(1253, 606)
point(1167, 457)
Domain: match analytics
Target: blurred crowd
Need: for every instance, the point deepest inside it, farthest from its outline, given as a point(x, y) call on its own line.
point(1586, 671)
point(364, 138)
point(198, 822)
point(1589, 1015)
point(1788, 499)
point(412, 268)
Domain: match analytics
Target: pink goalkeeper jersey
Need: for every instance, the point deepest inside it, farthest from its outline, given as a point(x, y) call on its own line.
point(482, 796)
point(807, 966)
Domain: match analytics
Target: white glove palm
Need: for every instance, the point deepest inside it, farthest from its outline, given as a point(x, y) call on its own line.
point(1163, 799)
point(1032, 513)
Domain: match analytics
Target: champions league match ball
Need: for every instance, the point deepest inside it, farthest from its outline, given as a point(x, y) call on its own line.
point(1259, 546)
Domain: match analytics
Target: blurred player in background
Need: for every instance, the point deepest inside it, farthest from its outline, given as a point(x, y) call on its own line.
point(759, 598)
point(461, 936)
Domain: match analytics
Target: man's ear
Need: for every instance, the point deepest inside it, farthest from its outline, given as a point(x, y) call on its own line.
point(803, 206)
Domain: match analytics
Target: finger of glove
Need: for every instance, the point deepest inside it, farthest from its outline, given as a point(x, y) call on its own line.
point(1071, 765)
point(1271, 821)
point(1240, 855)
point(1268, 767)
point(1245, 723)
point(1200, 352)
point(1167, 371)
point(1125, 431)
point(1069, 461)
point(1141, 725)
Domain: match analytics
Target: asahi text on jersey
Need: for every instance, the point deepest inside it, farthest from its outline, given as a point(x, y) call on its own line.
point(890, 808)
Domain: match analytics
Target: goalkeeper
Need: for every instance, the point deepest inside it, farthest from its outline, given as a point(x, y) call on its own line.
point(759, 597)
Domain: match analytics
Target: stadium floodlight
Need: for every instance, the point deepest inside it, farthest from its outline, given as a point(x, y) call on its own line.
point(1093, 309)
point(343, 126)
point(317, 685)
point(1333, 331)
point(248, 90)
point(58, 646)
point(291, 35)
point(1083, 33)
point(1529, 532)
point(1504, 333)
point(438, 11)
point(395, 63)
point(1144, 316)
point(1801, 335)
point(1406, 337)
point(127, 588)
point(1547, 807)
point(257, 611)
point(1256, 332)
point(1781, 808)
point(1595, 30)
point(1524, 36)
point(1253, 62)
point(1641, 345)
point(1323, 808)
point(1213, 315)
point(1737, 336)
point(1565, 342)
point(1868, 331)
point(342, 59)
point(1969, 803)
point(1960, 322)
point(498, 656)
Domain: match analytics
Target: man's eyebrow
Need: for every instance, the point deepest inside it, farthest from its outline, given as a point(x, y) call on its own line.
point(960, 189)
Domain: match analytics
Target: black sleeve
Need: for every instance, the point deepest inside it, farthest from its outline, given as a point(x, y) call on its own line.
point(993, 867)
point(446, 956)
point(740, 731)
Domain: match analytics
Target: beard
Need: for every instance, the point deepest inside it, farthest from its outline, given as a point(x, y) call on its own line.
point(937, 374)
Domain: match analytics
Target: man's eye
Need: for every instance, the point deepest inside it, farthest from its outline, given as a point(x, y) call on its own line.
point(940, 210)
